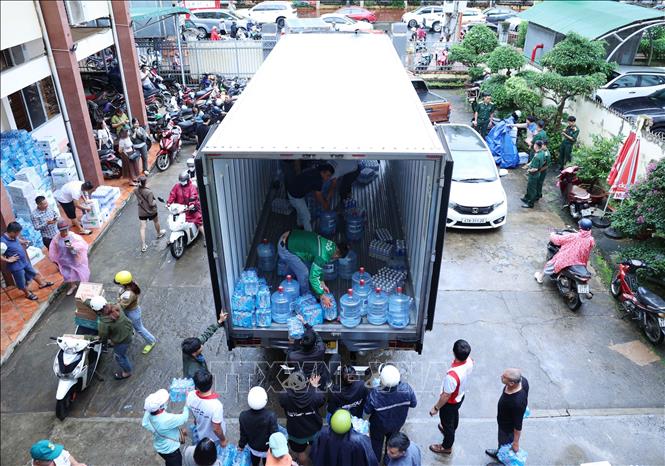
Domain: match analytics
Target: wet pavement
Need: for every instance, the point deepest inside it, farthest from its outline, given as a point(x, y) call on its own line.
point(591, 399)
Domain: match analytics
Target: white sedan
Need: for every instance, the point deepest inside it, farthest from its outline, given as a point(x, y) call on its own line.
point(345, 24)
point(477, 199)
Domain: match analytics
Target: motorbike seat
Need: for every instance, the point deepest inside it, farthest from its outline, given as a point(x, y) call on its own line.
point(149, 93)
point(579, 271)
point(186, 124)
point(200, 93)
point(580, 193)
point(650, 298)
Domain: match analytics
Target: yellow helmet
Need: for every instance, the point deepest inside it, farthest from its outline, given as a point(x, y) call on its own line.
point(123, 277)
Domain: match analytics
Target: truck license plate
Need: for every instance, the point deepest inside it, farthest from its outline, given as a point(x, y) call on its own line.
point(583, 289)
point(473, 220)
point(331, 347)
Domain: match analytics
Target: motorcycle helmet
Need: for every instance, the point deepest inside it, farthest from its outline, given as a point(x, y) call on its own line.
point(97, 303)
point(340, 422)
point(257, 398)
point(585, 224)
point(190, 163)
point(390, 376)
point(183, 178)
point(123, 277)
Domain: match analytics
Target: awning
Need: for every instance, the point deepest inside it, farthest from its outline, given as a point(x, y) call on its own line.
point(142, 13)
point(591, 19)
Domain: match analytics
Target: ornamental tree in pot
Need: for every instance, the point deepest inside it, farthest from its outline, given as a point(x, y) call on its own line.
point(595, 162)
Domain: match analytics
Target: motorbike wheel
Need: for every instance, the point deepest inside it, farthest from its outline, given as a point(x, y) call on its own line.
point(178, 248)
point(570, 295)
point(615, 286)
point(163, 162)
point(412, 24)
point(62, 406)
point(652, 330)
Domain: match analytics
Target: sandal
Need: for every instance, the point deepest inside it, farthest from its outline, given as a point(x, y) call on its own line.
point(437, 448)
point(144, 248)
point(161, 233)
point(45, 285)
point(71, 290)
point(32, 297)
point(119, 376)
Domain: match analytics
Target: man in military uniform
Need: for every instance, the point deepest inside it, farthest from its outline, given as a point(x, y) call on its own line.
point(543, 170)
point(540, 135)
point(533, 175)
point(482, 115)
point(570, 134)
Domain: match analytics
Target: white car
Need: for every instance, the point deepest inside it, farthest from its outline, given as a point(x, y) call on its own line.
point(472, 16)
point(345, 24)
point(629, 85)
point(270, 12)
point(426, 15)
point(206, 18)
point(477, 199)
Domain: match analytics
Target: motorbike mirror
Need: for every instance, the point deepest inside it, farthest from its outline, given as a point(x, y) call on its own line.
point(160, 199)
point(503, 172)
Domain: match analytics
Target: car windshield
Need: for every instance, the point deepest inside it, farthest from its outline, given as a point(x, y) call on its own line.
point(472, 161)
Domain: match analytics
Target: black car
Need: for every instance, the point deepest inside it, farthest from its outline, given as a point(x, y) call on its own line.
point(496, 15)
point(652, 105)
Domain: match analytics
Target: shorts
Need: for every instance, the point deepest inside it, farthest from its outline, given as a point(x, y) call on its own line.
point(69, 208)
point(300, 445)
point(149, 217)
point(23, 276)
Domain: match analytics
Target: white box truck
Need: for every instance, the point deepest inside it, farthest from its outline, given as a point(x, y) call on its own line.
point(322, 97)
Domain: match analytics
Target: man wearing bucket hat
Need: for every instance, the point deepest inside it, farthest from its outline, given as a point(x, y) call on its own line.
point(164, 426)
point(340, 445)
point(47, 453)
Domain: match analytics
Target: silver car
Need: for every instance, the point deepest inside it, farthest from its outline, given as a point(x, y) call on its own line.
point(206, 19)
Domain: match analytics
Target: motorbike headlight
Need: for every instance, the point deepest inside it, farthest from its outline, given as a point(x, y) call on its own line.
point(498, 204)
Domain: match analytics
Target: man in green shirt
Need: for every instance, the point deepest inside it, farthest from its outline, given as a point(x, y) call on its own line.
point(540, 135)
point(297, 247)
point(533, 175)
point(482, 115)
point(570, 134)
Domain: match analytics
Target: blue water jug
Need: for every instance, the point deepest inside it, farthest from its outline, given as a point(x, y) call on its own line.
point(266, 254)
point(281, 306)
point(346, 266)
point(362, 291)
point(328, 222)
point(292, 289)
point(361, 274)
point(398, 309)
point(329, 313)
point(330, 270)
point(349, 314)
point(377, 307)
point(355, 226)
point(263, 297)
point(296, 328)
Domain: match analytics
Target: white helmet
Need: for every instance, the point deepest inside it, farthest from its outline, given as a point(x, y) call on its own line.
point(257, 398)
point(389, 376)
point(190, 162)
point(97, 303)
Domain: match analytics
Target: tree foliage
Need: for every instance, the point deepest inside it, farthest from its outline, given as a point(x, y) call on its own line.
point(521, 33)
point(653, 43)
point(525, 98)
point(595, 161)
point(480, 39)
point(577, 56)
point(459, 53)
point(505, 57)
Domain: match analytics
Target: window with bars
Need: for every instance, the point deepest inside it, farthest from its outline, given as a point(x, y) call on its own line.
point(34, 105)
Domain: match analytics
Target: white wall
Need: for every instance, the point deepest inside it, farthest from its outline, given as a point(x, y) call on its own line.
point(593, 118)
point(54, 127)
point(17, 77)
point(18, 23)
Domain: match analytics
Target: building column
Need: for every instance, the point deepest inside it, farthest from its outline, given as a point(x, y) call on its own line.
point(130, 61)
point(67, 69)
point(6, 217)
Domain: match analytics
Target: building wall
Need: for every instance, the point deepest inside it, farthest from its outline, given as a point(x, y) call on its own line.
point(18, 23)
point(539, 35)
point(161, 29)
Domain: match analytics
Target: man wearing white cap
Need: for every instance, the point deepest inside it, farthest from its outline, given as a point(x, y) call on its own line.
point(164, 426)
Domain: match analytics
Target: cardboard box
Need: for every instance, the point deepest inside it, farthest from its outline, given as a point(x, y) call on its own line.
point(29, 175)
point(65, 160)
point(87, 290)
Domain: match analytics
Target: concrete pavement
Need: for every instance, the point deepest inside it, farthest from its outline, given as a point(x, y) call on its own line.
point(591, 399)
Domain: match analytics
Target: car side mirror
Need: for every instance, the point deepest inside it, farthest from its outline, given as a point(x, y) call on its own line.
point(503, 172)
point(613, 86)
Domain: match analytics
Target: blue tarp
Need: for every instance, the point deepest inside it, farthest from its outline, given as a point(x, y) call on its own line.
point(502, 146)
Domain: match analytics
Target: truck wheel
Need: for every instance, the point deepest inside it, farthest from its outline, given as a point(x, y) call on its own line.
point(178, 248)
point(436, 27)
point(163, 162)
point(412, 24)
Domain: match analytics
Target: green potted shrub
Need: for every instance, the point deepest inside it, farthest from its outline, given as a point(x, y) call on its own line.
point(595, 162)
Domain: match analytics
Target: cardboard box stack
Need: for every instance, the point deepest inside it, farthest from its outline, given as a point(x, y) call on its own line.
point(106, 197)
point(83, 315)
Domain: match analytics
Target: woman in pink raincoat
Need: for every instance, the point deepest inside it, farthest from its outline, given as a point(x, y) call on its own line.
point(185, 193)
point(70, 253)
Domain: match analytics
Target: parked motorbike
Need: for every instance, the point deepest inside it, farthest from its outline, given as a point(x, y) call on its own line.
point(577, 199)
point(640, 303)
point(169, 146)
point(424, 61)
point(183, 233)
point(110, 163)
point(572, 282)
point(74, 365)
point(187, 129)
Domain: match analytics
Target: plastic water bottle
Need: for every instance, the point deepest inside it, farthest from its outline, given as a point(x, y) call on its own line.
point(251, 282)
point(296, 328)
point(330, 313)
point(377, 307)
point(328, 223)
point(346, 266)
point(349, 309)
point(398, 309)
point(313, 313)
point(292, 290)
point(263, 297)
point(361, 274)
point(243, 458)
point(281, 306)
point(362, 290)
point(330, 270)
point(227, 456)
point(264, 317)
point(266, 254)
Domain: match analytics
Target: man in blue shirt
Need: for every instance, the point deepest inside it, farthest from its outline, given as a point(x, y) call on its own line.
point(17, 261)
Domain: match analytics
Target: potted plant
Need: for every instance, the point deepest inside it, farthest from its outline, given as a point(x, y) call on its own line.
point(595, 163)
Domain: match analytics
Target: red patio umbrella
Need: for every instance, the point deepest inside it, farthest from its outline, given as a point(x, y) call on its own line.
point(625, 169)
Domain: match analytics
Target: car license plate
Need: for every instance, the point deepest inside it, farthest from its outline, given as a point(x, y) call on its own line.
point(474, 220)
point(583, 288)
point(331, 347)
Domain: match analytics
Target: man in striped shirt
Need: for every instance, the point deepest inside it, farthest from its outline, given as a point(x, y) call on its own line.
point(453, 389)
point(44, 219)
